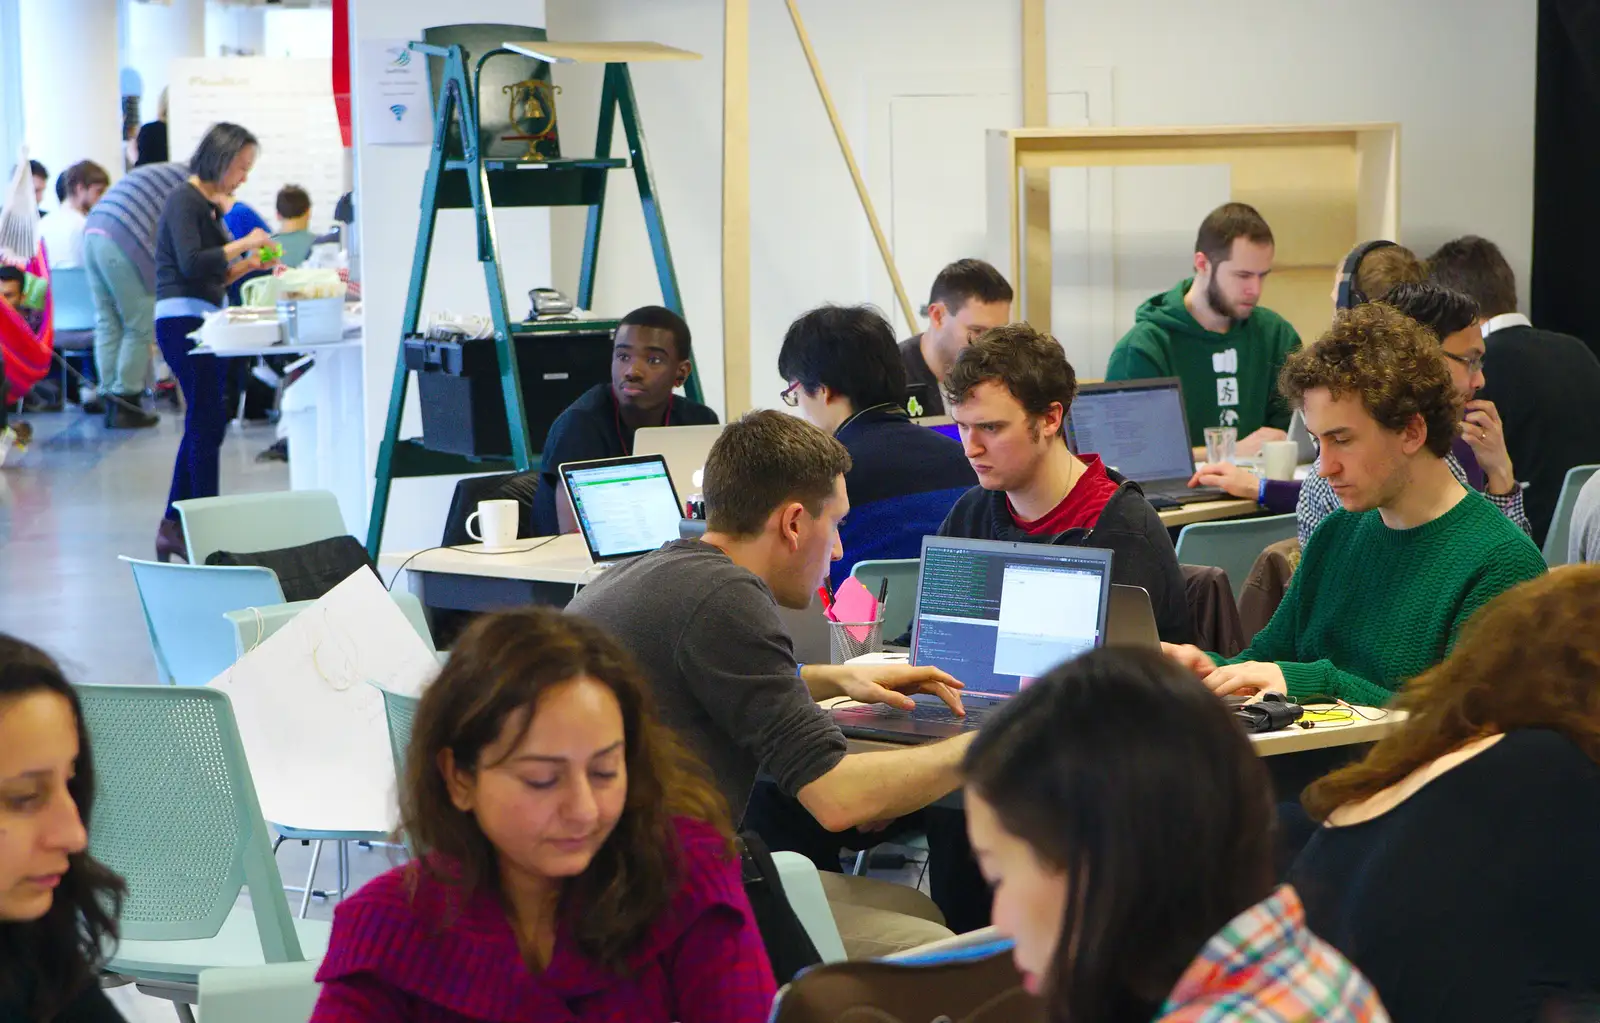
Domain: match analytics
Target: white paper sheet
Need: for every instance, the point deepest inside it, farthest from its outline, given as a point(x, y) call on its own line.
point(313, 729)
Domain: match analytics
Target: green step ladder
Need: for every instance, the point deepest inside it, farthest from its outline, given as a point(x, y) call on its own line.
point(469, 180)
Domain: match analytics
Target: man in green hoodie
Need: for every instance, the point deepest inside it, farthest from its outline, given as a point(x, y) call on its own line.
point(1208, 332)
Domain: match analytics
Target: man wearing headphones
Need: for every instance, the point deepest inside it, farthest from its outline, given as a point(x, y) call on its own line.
point(1210, 333)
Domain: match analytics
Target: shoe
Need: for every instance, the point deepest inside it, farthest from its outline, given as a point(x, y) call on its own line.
point(95, 406)
point(124, 413)
point(169, 541)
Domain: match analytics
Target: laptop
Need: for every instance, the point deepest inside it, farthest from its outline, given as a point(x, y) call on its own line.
point(1131, 620)
point(684, 447)
point(996, 615)
point(1139, 428)
point(624, 507)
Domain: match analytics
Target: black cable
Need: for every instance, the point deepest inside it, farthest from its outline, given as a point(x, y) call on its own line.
point(463, 550)
point(82, 380)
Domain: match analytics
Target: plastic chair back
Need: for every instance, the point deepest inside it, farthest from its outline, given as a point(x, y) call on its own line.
point(183, 608)
point(277, 993)
point(253, 624)
point(1558, 539)
point(71, 304)
point(176, 816)
point(1234, 545)
point(399, 711)
point(902, 600)
point(245, 523)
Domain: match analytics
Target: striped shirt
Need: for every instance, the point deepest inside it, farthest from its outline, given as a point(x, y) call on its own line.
point(1266, 967)
point(130, 210)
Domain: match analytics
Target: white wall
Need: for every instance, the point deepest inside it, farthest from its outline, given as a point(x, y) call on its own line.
point(158, 34)
point(1460, 83)
point(77, 116)
point(297, 33)
point(388, 190)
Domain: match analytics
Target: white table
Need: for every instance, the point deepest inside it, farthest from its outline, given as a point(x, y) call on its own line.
point(539, 570)
point(334, 459)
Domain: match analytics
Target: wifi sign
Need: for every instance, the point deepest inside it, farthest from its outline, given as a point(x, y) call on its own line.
point(402, 57)
point(398, 110)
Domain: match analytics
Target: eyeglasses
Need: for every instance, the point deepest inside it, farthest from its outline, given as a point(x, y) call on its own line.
point(791, 395)
point(1474, 363)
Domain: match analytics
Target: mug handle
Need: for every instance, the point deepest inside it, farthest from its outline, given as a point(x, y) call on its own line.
point(470, 520)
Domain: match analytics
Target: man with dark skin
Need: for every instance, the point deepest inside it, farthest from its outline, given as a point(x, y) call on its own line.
point(650, 358)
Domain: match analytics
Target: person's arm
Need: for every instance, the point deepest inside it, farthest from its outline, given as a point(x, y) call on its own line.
point(560, 445)
point(1277, 496)
point(721, 973)
point(1511, 506)
point(865, 787)
point(1317, 501)
point(359, 998)
point(880, 683)
point(1131, 360)
point(185, 224)
point(1505, 567)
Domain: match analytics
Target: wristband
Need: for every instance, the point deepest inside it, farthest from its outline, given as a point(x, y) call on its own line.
point(1261, 492)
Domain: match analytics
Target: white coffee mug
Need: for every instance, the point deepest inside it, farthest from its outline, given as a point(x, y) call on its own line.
point(497, 521)
point(1278, 459)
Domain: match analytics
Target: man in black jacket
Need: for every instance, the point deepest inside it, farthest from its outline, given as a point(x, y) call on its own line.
point(1009, 392)
point(1545, 386)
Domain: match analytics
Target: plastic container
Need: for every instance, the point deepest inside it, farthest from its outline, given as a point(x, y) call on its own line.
point(240, 329)
point(311, 321)
point(848, 640)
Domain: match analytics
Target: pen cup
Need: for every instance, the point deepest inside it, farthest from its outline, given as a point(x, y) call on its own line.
point(847, 640)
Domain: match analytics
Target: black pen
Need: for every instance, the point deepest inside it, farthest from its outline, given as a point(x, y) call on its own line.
point(883, 591)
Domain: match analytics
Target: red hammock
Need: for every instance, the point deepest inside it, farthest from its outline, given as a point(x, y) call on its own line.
point(27, 355)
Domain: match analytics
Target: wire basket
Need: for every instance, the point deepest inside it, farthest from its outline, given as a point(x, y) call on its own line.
point(848, 640)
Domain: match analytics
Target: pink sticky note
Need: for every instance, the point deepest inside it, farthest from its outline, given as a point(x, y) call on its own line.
point(855, 603)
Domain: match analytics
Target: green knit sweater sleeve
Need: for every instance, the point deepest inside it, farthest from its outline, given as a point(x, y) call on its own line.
point(1512, 563)
point(1138, 356)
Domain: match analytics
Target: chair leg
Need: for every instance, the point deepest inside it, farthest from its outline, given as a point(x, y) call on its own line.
point(311, 879)
point(344, 868)
point(861, 862)
point(185, 1013)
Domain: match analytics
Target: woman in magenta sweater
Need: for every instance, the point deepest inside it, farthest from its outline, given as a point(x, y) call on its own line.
point(573, 864)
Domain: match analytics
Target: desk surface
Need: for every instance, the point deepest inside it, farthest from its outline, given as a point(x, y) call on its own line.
point(561, 559)
point(1208, 511)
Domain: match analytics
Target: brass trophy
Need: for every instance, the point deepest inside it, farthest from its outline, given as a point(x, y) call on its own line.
point(533, 112)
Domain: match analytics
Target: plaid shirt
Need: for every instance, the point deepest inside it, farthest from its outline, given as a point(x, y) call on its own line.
point(403, 957)
point(1265, 967)
point(1318, 501)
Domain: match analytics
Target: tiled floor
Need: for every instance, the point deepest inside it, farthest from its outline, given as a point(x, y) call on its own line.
point(79, 497)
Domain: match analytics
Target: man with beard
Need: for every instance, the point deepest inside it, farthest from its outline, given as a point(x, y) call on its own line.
point(1209, 332)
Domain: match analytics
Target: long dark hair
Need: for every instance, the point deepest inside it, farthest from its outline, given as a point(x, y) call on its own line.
point(223, 142)
point(1121, 770)
point(499, 669)
point(61, 952)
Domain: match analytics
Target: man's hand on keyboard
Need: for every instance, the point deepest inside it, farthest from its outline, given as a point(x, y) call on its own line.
point(890, 683)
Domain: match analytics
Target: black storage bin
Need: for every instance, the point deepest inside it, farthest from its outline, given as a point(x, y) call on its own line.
point(458, 383)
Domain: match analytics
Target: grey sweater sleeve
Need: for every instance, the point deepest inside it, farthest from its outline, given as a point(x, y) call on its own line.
point(738, 661)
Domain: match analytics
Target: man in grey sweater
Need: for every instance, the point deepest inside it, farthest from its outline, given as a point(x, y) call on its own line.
point(702, 618)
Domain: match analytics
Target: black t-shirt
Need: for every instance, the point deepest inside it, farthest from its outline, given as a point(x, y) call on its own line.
point(91, 1006)
point(1473, 899)
point(591, 428)
point(920, 379)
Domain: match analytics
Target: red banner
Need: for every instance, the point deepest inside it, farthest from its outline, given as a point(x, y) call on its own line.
point(341, 67)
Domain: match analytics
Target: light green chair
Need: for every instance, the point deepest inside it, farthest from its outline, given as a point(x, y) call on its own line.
point(258, 522)
point(902, 600)
point(252, 625)
point(1233, 545)
point(1557, 541)
point(279, 993)
point(176, 816)
point(183, 605)
point(399, 711)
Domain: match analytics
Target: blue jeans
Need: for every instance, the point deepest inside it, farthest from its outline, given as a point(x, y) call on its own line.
point(123, 315)
point(198, 467)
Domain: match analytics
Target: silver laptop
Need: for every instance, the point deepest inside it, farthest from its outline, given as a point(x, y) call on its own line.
point(1140, 429)
point(1131, 620)
point(684, 447)
point(624, 507)
point(995, 615)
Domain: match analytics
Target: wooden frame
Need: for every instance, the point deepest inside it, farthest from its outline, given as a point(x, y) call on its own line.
point(1323, 188)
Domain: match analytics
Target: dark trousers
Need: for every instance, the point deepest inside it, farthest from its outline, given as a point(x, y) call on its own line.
point(198, 467)
point(954, 881)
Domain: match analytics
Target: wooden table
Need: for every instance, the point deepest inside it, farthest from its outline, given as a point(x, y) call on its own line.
point(1208, 511)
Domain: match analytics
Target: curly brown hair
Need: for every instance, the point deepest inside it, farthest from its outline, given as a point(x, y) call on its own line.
point(1489, 684)
point(1391, 361)
point(498, 671)
point(1028, 363)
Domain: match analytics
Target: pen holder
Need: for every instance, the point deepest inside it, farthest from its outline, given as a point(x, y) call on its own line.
point(852, 639)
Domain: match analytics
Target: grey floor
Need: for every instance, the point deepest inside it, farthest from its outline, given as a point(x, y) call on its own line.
point(76, 499)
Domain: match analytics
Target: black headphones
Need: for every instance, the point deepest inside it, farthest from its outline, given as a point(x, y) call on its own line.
point(1350, 295)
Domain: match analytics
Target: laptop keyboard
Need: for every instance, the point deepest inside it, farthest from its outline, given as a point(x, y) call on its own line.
point(941, 714)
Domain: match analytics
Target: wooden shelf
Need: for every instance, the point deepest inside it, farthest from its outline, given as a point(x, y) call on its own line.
point(599, 53)
point(567, 182)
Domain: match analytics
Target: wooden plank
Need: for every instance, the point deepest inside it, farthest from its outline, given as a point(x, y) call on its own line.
point(735, 207)
point(850, 162)
point(599, 53)
point(1208, 511)
point(1180, 131)
point(1037, 293)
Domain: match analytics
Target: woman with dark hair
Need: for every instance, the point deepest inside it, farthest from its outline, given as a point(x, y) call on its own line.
point(573, 861)
point(1455, 861)
point(1125, 826)
point(58, 907)
point(196, 260)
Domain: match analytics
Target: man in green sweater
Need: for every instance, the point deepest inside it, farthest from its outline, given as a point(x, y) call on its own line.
point(1386, 582)
point(1209, 332)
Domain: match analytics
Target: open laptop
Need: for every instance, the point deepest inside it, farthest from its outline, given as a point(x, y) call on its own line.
point(684, 447)
point(1131, 620)
point(1139, 428)
point(624, 507)
point(996, 615)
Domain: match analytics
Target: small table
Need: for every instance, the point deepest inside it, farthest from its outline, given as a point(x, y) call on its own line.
point(539, 570)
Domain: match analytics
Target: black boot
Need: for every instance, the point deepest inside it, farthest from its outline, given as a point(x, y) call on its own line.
point(95, 406)
point(123, 413)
